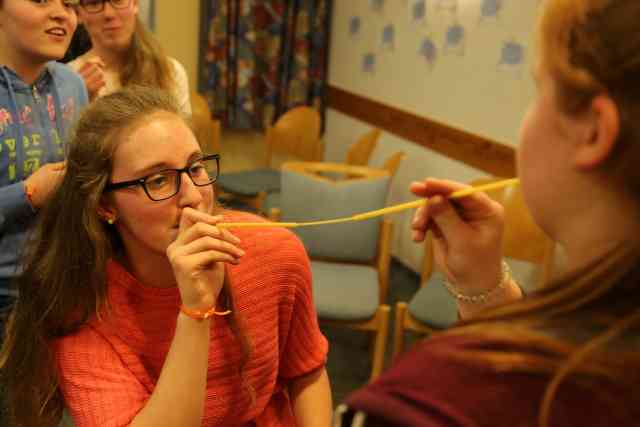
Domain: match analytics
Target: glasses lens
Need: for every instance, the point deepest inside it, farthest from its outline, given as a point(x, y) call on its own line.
point(204, 172)
point(120, 4)
point(92, 6)
point(162, 185)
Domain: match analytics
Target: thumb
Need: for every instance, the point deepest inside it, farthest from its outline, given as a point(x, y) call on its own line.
point(446, 218)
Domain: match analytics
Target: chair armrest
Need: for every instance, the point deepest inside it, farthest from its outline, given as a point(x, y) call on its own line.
point(275, 214)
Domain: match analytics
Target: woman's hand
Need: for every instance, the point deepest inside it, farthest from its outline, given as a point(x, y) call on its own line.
point(467, 234)
point(198, 255)
point(43, 182)
point(92, 72)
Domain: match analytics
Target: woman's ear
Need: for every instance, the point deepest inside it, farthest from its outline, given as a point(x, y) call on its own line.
point(105, 209)
point(600, 133)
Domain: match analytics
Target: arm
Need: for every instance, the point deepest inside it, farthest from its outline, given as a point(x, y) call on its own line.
point(197, 257)
point(511, 292)
point(467, 242)
point(311, 399)
point(181, 91)
point(13, 204)
point(178, 398)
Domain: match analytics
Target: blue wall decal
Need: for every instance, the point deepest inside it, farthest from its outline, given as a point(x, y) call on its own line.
point(369, 63)
point(454, 39)
point(512, 57)
point(388, 37)
point(490, 9)
point(429, 51)
point(418, 11)
point(355, 23)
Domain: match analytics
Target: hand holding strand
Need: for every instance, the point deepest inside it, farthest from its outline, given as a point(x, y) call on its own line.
point(467, 234)
point(198, 255)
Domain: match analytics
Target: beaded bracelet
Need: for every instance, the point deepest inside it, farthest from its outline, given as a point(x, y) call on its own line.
point(483, 297)
point(201, 315)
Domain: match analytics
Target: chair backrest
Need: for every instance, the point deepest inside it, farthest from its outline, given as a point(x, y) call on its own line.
point(523, 241)
point(392, 163)
point(306, 196)
point(205, 128)
point(296, 135)
point(360, 152)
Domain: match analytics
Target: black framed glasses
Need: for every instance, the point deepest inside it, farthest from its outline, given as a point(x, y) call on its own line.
point(165, 184)
point(97, 6)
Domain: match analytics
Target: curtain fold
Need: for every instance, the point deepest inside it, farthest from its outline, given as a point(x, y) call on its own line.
point(259, 58)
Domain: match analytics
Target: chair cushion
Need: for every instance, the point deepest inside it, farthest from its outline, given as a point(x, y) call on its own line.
point(250, 183)
point(433, 305)
point(343, 291)
point(308, 198)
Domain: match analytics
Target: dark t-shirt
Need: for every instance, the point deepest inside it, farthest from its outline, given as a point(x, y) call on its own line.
point(428, 387)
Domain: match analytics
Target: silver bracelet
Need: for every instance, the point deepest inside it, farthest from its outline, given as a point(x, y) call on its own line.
point(483, 297)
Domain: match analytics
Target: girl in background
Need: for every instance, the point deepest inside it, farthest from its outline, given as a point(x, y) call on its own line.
point(124, 52)
point(39, 100)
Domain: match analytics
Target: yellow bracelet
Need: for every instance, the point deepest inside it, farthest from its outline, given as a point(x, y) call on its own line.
point(201, 315)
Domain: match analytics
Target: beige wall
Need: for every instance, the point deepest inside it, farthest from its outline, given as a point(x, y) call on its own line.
point(177, 26)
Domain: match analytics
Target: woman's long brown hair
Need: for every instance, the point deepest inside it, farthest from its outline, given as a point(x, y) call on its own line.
point(576, 329)
point(63, 284)
point(146, 64)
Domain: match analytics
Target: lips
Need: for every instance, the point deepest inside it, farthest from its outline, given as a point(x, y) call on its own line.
point(57, 31)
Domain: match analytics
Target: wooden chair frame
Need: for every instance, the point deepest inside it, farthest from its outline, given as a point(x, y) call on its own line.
point(379, 323)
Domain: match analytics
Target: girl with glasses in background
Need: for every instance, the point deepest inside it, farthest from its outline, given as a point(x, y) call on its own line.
point(136, 309)
point(39, 100)
point(124, 52)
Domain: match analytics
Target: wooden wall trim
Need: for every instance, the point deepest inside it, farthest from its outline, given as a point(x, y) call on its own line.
point(476, 151)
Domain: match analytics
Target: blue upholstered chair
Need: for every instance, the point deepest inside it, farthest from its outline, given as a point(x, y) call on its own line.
point(527, 250)
point(296, 135)
point(350, 261)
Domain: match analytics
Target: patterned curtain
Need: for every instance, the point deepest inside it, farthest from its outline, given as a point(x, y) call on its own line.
point(259, 58)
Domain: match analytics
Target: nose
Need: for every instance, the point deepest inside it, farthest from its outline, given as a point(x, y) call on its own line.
point(109, 10)
point(59, 11)
point(188, 193)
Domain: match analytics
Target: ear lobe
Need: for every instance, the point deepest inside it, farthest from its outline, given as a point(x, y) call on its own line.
point(105, 210)
point(600, 135)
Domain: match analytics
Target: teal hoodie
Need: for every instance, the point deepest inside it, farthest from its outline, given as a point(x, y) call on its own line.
point(34, 121)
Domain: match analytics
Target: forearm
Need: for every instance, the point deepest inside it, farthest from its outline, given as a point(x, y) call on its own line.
point(13, 204)
point(311, 398)
point(178, 398)
point(511, 292)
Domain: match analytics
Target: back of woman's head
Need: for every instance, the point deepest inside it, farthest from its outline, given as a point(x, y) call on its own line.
point(592, 47)
point(63, 282)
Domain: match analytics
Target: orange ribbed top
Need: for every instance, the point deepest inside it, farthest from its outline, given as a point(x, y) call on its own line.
point(109, 368)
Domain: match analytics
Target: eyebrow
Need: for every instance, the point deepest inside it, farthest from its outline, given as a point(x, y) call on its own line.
point(156, 167)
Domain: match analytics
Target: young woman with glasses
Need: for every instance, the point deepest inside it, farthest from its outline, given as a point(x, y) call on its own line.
point(135, 309)
point(39, 100)
point(124, 52)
